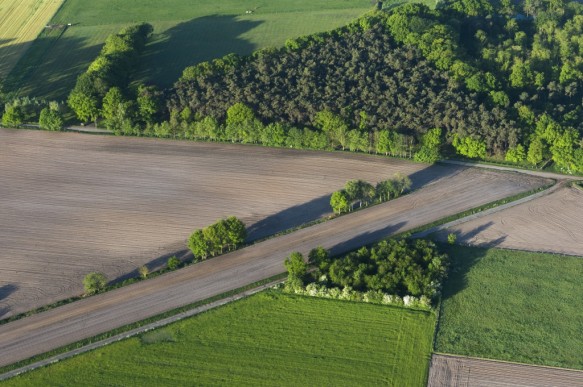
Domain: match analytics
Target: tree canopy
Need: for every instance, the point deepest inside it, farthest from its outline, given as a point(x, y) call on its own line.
point(226, 233)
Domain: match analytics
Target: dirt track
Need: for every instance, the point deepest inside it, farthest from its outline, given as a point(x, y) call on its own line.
point(552, 223)
point(453, 371)
point(447, 190)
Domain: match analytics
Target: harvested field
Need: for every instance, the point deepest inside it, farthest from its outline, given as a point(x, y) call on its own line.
point(453, 371)
point(20, 23)
point(71, 204)
point(552, 223)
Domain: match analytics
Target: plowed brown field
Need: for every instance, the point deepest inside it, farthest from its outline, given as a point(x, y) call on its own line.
point(552, 223)
point(71, 204)
point(453, 371)
point(91, 200)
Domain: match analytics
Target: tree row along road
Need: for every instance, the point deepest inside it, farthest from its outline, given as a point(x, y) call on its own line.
point(453, 190)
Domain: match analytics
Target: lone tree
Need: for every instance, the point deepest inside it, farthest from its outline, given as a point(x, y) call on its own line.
point(50, 119)
point(94, 282)
point(339, 202)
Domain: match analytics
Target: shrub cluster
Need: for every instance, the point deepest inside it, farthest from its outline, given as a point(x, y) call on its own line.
point(316, 289)
point(361, 192)
point(406, 272)
point(214, 239)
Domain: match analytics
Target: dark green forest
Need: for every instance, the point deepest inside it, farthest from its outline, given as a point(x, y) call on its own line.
point(487, 80)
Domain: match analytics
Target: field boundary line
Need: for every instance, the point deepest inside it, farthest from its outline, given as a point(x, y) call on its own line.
point(544, 192)
point(451, 355)
point(139, 330)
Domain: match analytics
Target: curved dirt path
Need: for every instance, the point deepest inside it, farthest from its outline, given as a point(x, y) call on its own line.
point(447, 194)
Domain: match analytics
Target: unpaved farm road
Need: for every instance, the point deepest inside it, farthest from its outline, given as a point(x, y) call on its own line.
point(448, 194)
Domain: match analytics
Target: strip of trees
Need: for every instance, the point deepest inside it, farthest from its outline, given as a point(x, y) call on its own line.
point(482, 79)
point(100, 91)
point(224, 235)
point(363, 193)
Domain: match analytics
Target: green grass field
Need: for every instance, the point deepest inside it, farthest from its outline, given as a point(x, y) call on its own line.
point(186, 32)
point(515, 306)
point(267, 339)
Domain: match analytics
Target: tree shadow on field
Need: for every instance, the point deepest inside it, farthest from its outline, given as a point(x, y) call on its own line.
point(50, 66)
point(5, 292)
point(186, 44)
point(289, 218)
point(366, 239)
point(464, 257)
point(433, 174)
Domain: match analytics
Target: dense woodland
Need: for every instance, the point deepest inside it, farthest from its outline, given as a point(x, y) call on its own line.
point(495, 79)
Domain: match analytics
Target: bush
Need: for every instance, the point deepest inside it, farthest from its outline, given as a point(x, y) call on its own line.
point(173, 263)
point(94, 282)
point(451, 238)
point(144, 271)
point(50, 120)
point(158, 336)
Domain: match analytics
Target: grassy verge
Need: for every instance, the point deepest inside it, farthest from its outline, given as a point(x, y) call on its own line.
point(128, 327)
point(514, 306)
point(266, 339)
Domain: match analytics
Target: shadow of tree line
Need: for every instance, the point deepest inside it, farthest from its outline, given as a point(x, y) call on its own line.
point(52, 63)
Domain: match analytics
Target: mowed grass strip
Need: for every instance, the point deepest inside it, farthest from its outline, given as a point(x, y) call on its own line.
point(267, 339)
point(186, 32)
point(20, 23)
point(514, 306)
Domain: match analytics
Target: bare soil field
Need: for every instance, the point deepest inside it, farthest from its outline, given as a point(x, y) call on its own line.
point(71, 203)
point(20, 23)
point(552, 223)
point(445, 190)
point(453, 371)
